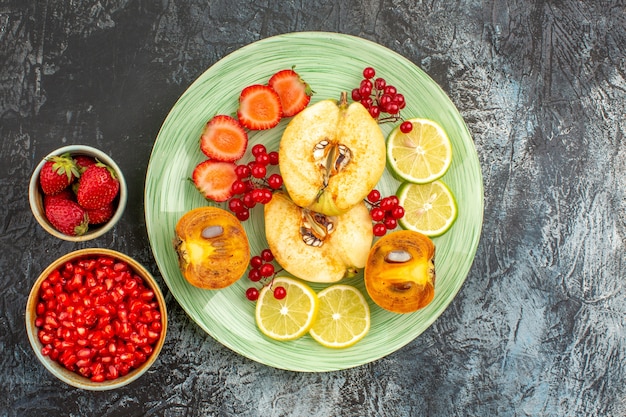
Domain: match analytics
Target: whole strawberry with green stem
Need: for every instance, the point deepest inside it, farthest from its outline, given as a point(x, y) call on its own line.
point(97, 187)
point(57, 173)
point(67, 217)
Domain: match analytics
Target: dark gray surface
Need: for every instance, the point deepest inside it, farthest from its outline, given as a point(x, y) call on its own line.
point(538, 329)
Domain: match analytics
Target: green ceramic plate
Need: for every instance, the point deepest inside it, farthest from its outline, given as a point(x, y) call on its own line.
point(330, 63)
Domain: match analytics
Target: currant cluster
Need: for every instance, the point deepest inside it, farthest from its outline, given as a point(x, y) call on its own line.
point(385, 212)
point(262, 268)
point(253, 186)
point(382, 100)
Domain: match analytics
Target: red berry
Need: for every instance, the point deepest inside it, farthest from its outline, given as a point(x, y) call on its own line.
point(377, 214)
point(379, 229)
point(256, 261)
point(275, 181)
point(280, 293)
point(397, 212)
point(258, 171)
point(387, 204)
point(406, 127)
point(380, 83)
point(267, 270)
point(242, 171)
point(243, 215)
point(254, 275)
point(267, 255)
point(258, 149)
point(391, 90)
point(356, 94)
point(238, 187)
point(263, 159)
point(373, 196)
point(235, 205)
point(374, 112)
point(369, 72)
point(273, 158)
point(252, 294)
point(390, 223)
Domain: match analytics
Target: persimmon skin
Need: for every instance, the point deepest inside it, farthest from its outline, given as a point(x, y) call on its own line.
point(216, 261)
point(401, 287)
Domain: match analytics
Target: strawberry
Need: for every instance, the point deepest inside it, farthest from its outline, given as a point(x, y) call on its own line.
point(83, 161)
point(97, 187)
point(294, 93)
point(223, 139)
point(65, 194)
point(67, 217)
point(259, 107)
point(101, 215)
point(57, 173)
point(214, 179)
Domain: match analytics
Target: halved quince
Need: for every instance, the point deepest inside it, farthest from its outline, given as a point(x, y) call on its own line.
point(331, 156)
point(212, 247)
point(316, 247)
point(400, 271)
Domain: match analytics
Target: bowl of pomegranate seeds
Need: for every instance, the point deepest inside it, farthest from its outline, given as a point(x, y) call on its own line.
point(96, 319)
point(77, 193)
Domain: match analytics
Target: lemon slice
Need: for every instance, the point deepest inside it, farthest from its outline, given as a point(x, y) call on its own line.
point(290, 317)
point(420, 156)
point(343, 318)
point(428, 208)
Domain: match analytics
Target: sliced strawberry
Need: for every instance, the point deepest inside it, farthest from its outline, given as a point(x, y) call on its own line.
point(259, 107)
point(223, 139)
point(214, 179)
point(294, 93)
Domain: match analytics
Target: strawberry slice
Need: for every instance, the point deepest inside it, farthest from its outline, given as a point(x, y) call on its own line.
point(293, 91)
point(223, 139)
point(214, 179)
point(259, 107)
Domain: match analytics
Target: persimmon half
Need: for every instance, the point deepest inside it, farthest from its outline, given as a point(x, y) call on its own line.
point(400, 271)
point(212, 247)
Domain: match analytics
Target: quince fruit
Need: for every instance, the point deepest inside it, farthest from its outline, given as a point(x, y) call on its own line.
point(331, 156)
point(316, 247)
point(400, 271)
point(212, 247)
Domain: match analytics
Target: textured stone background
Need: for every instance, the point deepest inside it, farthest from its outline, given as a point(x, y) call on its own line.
point(538, 329)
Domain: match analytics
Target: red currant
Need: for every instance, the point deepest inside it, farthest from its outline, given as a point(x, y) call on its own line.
point(374, 112)
point(258, 149)
point(263, 159)
point(242, 171)
point(377, 214)
point(238, 187)
point(406, 127)
point(275, 181)
point(390, 223)
point(267, 270)
point(235, 204)
point(379, 229)
point(258, 170)
point(256, 261)
point(356, 95)
point(252, 294)
point(397, 212)
point(273, 158)
point(387, 203)
point(369, 72)
point(243, 215)
point(373, 196)
point(267, 255)
point(255, 275)
point(280, 293)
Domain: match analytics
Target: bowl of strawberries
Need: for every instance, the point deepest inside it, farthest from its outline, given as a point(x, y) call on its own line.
point(77, 193)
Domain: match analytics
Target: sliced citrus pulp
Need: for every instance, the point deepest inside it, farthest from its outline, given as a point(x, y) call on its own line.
point(288, 318)
point(428, 208)
point(343, 318)
point(420, 156)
